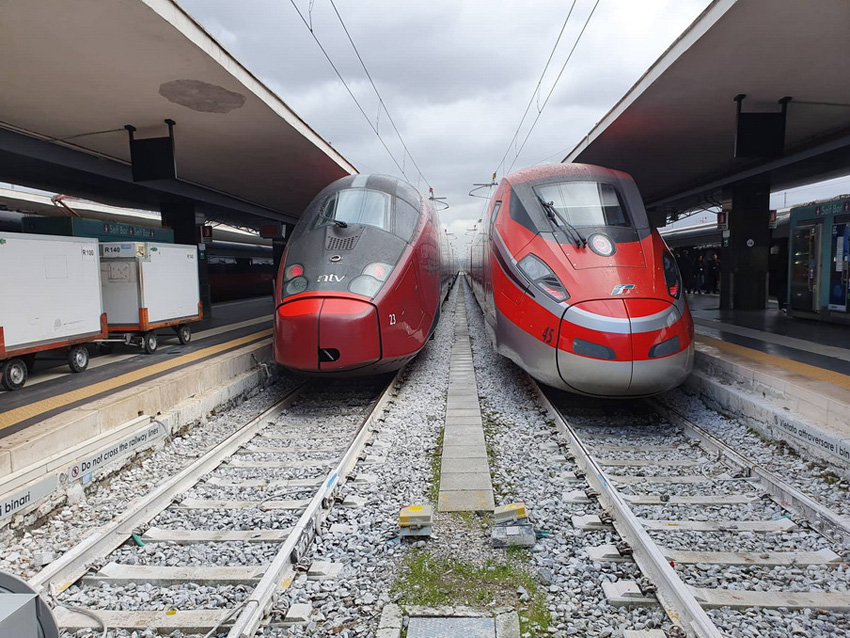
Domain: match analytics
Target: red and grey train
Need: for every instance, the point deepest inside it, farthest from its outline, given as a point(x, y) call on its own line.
point(577, 288)
point(363, 278)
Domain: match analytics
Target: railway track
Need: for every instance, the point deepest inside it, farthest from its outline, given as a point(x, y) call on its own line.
point(212, 546)
point(720, 540)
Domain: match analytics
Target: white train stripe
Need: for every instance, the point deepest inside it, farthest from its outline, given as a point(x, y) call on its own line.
point(622, 325)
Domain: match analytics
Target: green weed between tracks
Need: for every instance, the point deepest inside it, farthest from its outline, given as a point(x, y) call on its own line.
point(436, 462)
point(431, 581)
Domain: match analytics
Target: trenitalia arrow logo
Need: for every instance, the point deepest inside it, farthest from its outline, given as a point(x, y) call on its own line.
point(620, 289)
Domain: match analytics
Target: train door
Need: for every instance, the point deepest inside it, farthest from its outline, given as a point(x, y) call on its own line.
point(805, 268)
point(838, 267)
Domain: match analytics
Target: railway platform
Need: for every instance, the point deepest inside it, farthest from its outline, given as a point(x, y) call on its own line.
point(51, 388)
point(789, 377)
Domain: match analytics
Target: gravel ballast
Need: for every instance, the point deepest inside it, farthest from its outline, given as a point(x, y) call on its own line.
point(67, 525)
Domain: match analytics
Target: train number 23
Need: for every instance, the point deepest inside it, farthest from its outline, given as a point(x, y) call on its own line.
point(548, 335)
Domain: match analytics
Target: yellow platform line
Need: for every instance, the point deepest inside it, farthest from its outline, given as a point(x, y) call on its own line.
point(804, 369)
point(25, 412)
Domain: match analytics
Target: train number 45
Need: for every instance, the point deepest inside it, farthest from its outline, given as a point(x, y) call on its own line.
point(548, 335)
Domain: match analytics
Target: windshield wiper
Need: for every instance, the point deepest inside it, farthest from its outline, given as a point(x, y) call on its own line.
point(556, 217)
point(334, 220)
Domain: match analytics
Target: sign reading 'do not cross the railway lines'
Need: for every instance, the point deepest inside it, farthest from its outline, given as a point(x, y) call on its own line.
point(81, 470)
point(125, 446)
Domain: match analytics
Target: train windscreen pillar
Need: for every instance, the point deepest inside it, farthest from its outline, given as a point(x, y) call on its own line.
point(181, 217)
point(745, 253)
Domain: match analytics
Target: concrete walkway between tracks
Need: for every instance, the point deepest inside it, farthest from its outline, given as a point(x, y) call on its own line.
point(465, 484)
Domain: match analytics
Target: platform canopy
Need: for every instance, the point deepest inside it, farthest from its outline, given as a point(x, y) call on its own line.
point(74, 73)
point(674, 131)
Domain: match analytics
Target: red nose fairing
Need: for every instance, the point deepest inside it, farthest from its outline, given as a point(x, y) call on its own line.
point(327, 334)
point(619, 345)
point(627, 347)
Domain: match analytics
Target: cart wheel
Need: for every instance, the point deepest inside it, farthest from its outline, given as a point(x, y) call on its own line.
point(184, 333)
point(149, 342)
point(13, 374)
point(78, 358)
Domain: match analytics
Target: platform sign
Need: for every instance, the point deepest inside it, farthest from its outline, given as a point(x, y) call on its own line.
point(206, 234)
point(771, 220)
point(723, 220)
point(21, 500)
point(96, 228)
point(273, 231)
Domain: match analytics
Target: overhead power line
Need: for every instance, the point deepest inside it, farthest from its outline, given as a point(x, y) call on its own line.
point(536, 88)
point(378, 94)
point(552, 90)
point(374, 128)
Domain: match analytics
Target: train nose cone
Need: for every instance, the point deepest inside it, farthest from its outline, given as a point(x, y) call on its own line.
point(625, 347)
point(327, 334)
point(595, 349)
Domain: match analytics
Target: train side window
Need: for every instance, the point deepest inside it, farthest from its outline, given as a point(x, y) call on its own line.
point(496, 208)
point(406, 219)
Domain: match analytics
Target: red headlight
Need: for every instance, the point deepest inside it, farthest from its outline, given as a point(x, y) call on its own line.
point(295, 270)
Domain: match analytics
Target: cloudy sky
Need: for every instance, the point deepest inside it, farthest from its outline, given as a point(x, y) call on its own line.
point(455, 77)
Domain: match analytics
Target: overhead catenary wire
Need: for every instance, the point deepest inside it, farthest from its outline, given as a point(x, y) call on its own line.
point(347, 88)
point(536, 88)
point(378, 94)
point(552, 90)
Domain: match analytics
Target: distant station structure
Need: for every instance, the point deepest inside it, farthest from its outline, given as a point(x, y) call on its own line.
point(752, 98)
point(132, 103)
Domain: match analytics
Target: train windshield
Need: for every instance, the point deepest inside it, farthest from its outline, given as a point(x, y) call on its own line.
point(356, 206)
point(585, 203)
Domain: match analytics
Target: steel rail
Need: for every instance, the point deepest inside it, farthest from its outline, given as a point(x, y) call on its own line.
point(820, 517)
point(67, 569)
point(680, 604)
point(296, 544)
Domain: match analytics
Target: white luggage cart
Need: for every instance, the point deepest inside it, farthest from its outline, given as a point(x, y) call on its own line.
point(49, 300)
point(147, 287)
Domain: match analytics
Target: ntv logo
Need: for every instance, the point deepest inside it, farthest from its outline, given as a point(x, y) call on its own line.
point(329, 279)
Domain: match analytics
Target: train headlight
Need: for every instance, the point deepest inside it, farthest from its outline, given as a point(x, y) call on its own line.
point(295, 285)
point(369, 283)
point(671, 275)
point(365, 285)
point(543, 277)
point(378, 270)
point(295, 270)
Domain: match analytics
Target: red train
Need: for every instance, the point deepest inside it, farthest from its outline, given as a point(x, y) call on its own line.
point(362, 280)
point(577, 288)
point(239, 271)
